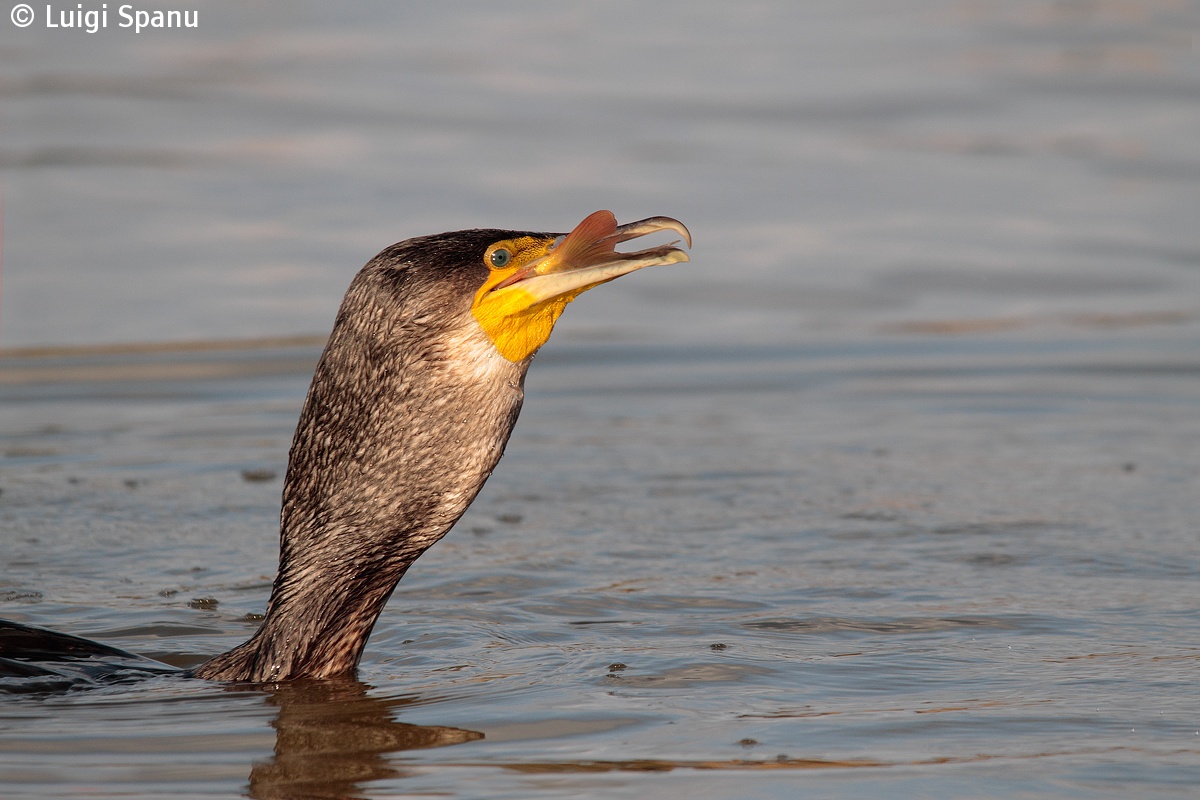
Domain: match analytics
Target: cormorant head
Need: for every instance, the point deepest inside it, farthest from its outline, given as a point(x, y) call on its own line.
point(516, 283)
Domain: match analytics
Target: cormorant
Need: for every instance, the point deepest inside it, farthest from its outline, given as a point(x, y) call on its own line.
point(409, 410)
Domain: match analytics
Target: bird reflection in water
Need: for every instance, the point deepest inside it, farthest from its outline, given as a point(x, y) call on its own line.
point(332, 737)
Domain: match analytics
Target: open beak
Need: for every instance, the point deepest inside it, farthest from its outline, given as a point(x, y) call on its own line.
point(587, 257)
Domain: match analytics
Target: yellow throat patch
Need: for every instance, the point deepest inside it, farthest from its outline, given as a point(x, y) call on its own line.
point(517, 322)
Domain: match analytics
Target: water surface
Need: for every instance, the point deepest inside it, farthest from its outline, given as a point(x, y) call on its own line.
point(892, 491)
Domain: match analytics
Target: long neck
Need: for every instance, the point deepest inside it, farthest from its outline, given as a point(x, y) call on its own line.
point(393, 444)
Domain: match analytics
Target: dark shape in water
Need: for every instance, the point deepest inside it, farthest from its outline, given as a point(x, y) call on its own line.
point(409, 410)
point(37, 660)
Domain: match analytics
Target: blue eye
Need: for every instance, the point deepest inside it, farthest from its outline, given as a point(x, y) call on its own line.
point(500, 257)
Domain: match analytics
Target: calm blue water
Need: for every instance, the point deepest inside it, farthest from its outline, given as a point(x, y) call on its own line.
point(891, 492)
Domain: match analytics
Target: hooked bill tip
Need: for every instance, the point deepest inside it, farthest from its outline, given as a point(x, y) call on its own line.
point(632, 230)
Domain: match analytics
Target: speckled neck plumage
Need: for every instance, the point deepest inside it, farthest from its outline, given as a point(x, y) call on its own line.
point(406, 417)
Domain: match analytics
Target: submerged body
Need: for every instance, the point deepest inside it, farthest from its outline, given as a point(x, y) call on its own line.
point(409, 410)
